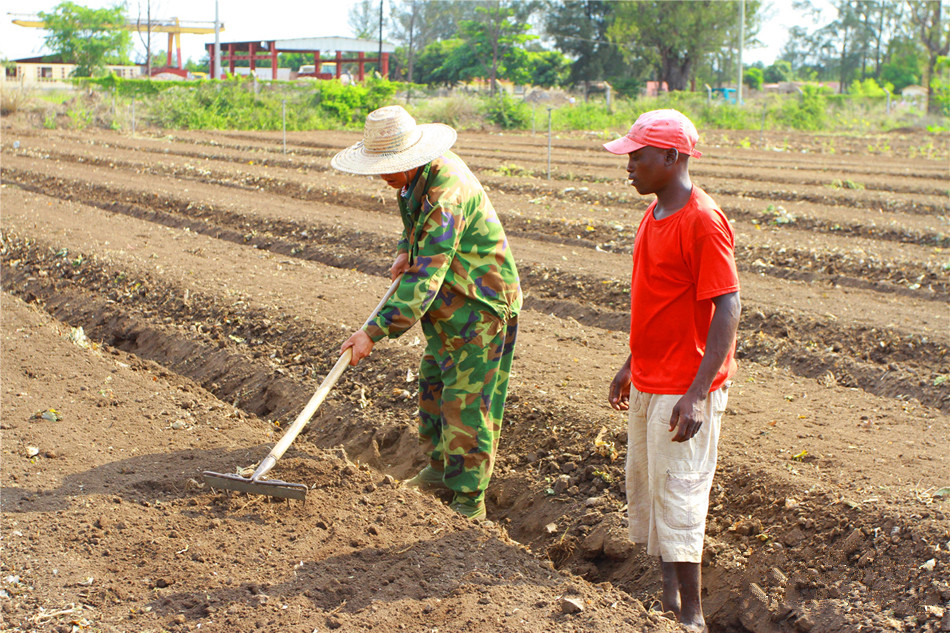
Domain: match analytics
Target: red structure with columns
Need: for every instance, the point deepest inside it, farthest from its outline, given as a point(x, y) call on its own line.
point(345, 50)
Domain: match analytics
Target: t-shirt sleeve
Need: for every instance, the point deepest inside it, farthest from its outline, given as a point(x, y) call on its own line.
point(714, 262)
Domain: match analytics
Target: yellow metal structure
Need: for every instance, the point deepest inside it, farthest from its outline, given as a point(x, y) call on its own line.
point(174, 27)
point(158, 26)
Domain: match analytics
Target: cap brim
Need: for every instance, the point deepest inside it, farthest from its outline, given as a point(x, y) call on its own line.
point(623, 145)
point(434, 140)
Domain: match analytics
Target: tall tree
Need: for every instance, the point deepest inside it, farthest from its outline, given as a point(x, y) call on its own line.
point(493, 36)
point(929, 18)
point(852, 44)
point(676, 36)
point(90, 38)
point(434, 20)
point(579, 29)
point(363, 19)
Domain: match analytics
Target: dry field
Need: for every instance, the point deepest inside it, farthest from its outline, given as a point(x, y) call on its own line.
point(216, 277)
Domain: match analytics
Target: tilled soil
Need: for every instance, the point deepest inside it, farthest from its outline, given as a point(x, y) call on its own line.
point(216, 277)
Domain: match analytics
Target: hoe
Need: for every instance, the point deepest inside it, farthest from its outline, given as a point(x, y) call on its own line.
point(274, 487)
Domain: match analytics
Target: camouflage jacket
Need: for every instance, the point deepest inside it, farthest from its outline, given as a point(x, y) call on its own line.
point(461, 270)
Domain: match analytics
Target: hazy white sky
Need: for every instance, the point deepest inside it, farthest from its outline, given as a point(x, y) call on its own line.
point(246, 20)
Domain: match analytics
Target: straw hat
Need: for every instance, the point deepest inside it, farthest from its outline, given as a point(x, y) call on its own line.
point(393, 142)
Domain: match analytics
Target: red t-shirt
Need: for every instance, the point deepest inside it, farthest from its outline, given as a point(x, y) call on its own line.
point(680, 263)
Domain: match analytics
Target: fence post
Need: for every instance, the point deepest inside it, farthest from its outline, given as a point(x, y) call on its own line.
point(765, 108)
point(283, 118)
point(133, 115)
point(887, 109)
point(549, 142)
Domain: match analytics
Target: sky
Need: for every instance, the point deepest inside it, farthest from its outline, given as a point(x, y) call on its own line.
point(246, 20)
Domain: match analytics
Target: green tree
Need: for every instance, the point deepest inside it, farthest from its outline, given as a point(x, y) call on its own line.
point(904, 63)
point(492, 37)
point(434, 20)
point(444, 62)
point(853, 44)
point(753, 77)
point(89, 38)
point(778, 72)
point(675, 37)
point(363, 19)
point(579, 29)
point(547, 68)
point(929, 20)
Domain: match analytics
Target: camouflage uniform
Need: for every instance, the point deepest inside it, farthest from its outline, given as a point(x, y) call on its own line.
point(462, 284)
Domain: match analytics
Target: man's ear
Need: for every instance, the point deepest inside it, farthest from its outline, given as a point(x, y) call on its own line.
point(672, 155)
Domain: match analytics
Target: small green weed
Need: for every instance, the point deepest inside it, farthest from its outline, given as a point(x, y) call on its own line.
point(513, 170)
point(846, 184)
point(778, 215)
point(604, 475)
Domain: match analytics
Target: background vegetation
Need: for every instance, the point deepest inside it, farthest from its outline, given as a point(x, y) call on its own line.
point(458, 61)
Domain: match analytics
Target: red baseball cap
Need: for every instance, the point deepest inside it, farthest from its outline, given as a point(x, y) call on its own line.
point(658, 128)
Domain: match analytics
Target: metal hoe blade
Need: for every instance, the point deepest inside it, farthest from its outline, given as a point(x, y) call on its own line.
point(270, 487)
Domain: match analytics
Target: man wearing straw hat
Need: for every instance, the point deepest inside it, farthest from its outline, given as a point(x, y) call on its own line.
point(460, 281)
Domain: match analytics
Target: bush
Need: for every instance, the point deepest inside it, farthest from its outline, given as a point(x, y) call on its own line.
point(753, 78)
point(869, 88)
point(507, 113)
point(460, 112)
point(808, 112)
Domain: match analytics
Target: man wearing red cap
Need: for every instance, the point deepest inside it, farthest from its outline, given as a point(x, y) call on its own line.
point(684, 300)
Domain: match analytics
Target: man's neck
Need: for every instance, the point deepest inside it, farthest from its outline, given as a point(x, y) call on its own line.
point(673, 197)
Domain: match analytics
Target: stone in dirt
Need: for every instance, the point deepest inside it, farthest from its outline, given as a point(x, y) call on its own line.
point(572, 605)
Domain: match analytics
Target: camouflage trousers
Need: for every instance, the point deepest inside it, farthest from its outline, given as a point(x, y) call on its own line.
point(463, 383)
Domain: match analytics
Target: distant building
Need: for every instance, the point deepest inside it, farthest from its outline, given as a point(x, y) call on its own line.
point(655, 88)
point(262, 54)
point(51, 72)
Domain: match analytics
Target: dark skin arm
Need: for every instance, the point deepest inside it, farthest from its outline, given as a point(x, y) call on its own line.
point(687, 415)
point(620, 388)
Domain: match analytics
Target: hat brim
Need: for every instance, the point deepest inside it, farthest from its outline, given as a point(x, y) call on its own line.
point(434, 140)
point(623, 145)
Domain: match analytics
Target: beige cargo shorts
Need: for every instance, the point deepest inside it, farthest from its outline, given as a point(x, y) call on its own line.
point(668, 482)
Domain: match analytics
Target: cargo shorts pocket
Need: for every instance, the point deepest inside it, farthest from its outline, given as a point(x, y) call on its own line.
point(686, 499)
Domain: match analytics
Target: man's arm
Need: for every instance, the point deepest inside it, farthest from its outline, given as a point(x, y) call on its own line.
point(687, 415)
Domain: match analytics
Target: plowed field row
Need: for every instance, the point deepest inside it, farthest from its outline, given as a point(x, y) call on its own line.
point(886, 361)
point(923, 188)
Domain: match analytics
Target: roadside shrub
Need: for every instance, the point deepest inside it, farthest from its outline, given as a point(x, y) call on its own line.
point(808, 112)
point(342, 102)
point(507, 113)
point(461, 112)
point(591, 115)
point(940, 86)
point(379, 92)
point(869, 88)
point(12, 100)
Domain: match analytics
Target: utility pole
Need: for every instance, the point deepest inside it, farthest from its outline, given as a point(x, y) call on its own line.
point(741, 44)
point(216, 74)
point(379, 60)
point(412, 28)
